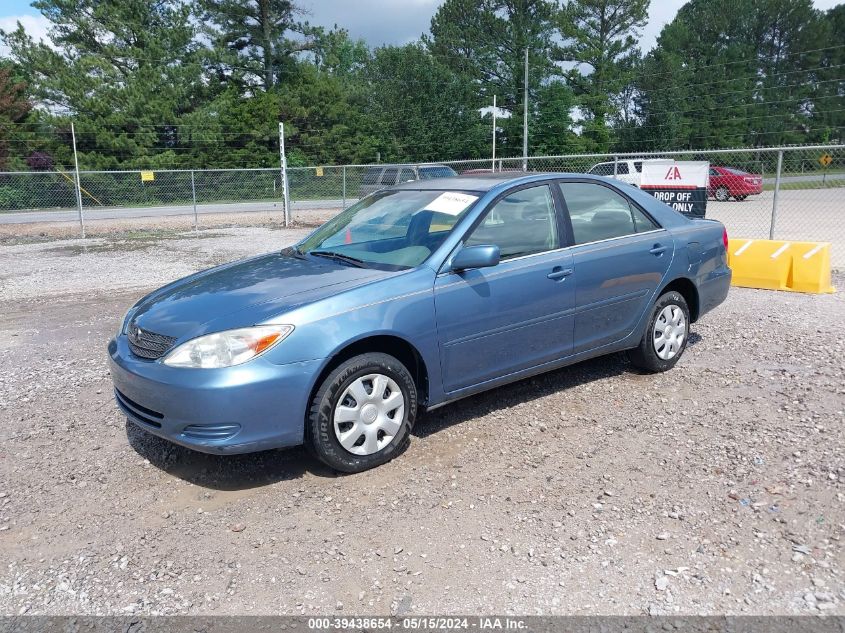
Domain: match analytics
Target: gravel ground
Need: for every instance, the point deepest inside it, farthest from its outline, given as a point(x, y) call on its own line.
point(715, 488)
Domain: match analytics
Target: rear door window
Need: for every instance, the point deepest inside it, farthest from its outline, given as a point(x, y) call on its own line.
point(406, 174)
point(621, 168)
point(599, 213)
point(389, 176)
point(371, 177)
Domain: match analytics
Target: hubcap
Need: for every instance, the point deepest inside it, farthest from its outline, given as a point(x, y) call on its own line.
point(369, 414)
point(670, 330)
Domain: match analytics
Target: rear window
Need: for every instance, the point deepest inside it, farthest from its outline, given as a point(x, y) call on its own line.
point(430, 173)
point(371, 177)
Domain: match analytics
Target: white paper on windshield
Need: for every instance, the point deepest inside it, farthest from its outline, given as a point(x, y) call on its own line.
point(451, 202)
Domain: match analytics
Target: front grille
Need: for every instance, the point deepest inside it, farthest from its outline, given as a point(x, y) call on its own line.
point(147, 344)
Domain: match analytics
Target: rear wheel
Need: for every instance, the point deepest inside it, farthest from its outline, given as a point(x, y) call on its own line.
point(363, 413)
point(665, 338)
point(740, 198)
point(722, 194)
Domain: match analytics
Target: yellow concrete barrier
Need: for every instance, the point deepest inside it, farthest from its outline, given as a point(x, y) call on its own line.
point(780, 265)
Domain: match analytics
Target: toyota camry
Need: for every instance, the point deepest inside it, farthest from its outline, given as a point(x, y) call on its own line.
point(415, 297)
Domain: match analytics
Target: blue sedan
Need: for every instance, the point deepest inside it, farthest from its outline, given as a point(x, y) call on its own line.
point(415, 297)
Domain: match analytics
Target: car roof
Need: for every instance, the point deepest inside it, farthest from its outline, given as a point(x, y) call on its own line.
point(411, 165)
point(486, 182)
point(474, 182)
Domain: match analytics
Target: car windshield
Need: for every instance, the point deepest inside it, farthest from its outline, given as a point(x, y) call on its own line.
point(390, 229)
point(737, 172)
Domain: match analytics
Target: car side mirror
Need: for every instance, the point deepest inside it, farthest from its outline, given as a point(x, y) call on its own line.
point(481, 256)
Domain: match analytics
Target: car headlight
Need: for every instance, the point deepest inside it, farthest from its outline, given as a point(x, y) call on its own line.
point(225, 349)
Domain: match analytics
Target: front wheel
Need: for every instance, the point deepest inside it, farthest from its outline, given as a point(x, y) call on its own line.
point(362, 413)
point(665, 338)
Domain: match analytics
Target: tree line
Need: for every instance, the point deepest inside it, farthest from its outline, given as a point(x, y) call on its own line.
point(204, 83)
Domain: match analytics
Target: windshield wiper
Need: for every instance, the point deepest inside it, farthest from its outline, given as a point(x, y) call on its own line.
point(297, 253)
point(360, 263)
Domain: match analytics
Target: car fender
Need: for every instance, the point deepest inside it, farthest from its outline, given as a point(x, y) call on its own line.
point(401, 306)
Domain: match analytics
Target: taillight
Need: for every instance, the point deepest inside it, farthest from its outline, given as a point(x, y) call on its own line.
point(725, 237)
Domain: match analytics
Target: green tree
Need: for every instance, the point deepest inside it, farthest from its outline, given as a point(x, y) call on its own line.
point(421, 111)
point(326, 121)
point(552, 130)
point(828, 106)
point(600, 39)
point(251, 39)
point(14, 110)
point(726, 74)
point(484, 43)
point(335, 53)
point(126, 70)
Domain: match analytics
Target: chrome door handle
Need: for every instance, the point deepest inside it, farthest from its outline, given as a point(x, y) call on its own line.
point(559, 273)
point(657, 249)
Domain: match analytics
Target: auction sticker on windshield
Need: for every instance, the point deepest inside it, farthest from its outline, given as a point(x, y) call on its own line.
point(451, 202)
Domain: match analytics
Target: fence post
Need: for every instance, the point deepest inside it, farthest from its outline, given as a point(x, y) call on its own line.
point(283, 164)
point(78, 182)
point(615, 165)
point(344, 187)
point(775, 197)
point(493, 165)
point(525, 117)
point(194, 196)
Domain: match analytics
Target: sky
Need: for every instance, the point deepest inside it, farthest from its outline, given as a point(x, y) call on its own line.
point(376, 21)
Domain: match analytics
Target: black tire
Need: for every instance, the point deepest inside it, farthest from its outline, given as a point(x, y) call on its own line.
point(320, 437)
point(645, 356)
point(740, 198)
point(722, 194)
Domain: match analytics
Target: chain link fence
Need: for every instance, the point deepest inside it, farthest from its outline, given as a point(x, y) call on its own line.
point(791, 193)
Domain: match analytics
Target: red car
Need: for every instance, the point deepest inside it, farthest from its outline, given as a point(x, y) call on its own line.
point(727, 182)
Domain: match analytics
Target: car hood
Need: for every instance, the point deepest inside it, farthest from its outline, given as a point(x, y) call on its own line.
point(244, 293)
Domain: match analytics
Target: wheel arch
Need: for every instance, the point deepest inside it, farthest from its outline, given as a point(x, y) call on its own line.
point(396, 346)
point(688, 291)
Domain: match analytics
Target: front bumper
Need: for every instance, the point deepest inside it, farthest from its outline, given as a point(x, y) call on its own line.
point(251, 407)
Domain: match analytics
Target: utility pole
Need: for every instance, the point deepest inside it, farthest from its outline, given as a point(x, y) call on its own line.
point(78, 183)
point(283, 164)
point(525, 118)
point(494, 134)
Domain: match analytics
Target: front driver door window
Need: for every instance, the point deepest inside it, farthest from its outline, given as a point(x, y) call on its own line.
point(492, 322)
point(522, 223)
